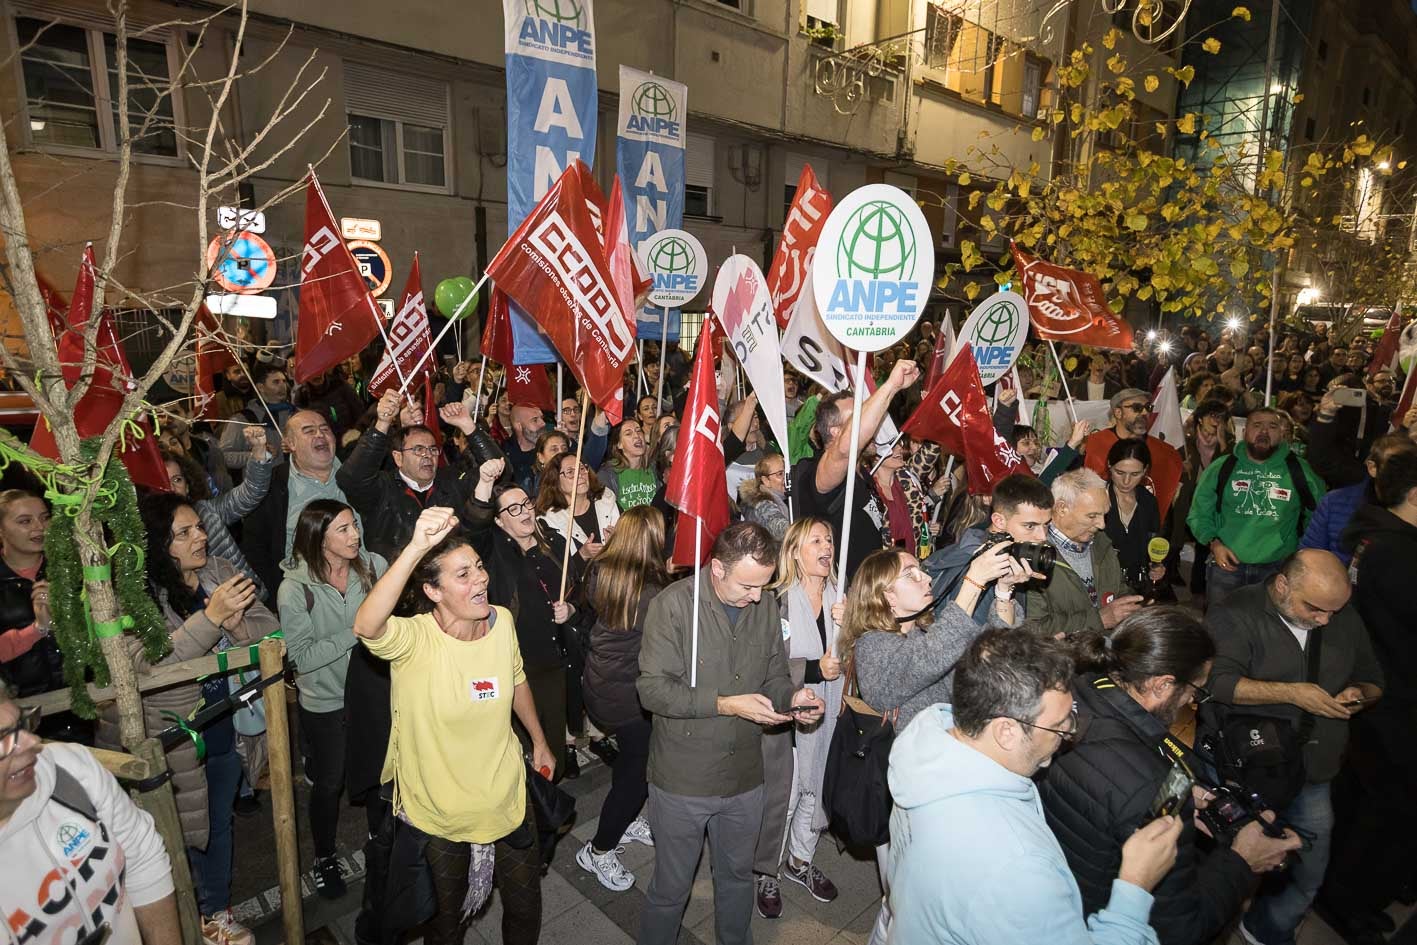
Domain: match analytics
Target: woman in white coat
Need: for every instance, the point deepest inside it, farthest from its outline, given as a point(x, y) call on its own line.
point(593, 517)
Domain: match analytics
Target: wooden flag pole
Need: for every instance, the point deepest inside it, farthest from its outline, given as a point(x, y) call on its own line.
point(663, 345)
point(851, 472)
point(558, 393)
point(452, 320)
point(571, 509)
point(698, 567)
point(640, 369)
point(477, 396)
point(1063, 382)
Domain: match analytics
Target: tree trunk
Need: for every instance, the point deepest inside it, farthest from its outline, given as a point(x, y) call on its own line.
point(103, 606)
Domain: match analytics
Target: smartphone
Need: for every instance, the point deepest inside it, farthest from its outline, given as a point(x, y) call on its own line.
point(1349, 396)
point(802, 709)
point(1353, 702)
point(1171, 796)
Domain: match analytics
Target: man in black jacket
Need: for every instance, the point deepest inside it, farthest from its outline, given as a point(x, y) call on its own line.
point(389, 500)
point(1096, 795)
point(1374, 835)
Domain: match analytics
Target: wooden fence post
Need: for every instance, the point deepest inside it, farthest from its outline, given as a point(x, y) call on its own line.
point(282, 791)
point(161, 804)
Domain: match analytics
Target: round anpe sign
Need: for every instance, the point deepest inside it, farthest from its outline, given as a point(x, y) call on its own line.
point(676, 261)
point(874, 267)
point(996, 331)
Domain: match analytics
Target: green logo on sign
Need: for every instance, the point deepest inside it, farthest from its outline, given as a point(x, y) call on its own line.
point(562, 11)
point(673, 255)
point(997, 326)
point(652, 100)
point(877, 242)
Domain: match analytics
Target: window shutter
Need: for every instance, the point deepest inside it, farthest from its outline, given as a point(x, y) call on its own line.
point(823, 10)
point(379, 93)
point(698, 161)
point(64, 11)
point(793, 169)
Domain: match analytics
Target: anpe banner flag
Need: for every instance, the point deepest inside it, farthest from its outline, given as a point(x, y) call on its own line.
point(698, 484)
point(1069, 305)
point(554, 267)
point(338, 317)
point(649, 156)
point(107, 387)
point(791, 265)
point(497, 333)
point(409, 337)
point(552, 106)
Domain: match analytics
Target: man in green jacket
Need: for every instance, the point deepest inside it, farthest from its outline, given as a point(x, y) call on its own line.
point(705, 755)
point(1252, 507)
point(1085, 591)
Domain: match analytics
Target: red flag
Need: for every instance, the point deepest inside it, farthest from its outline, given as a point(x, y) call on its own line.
point(632, 285)
point(1385, 354)
point(697, 485)
point(529, 386)
point(554, 269)
point(1404, 403)
point(1069, 305)
point(497, 333)
point(212, 359)
point(338, 317)
point(409, 339)
point(955, 414)
point(805, 219)
point(944, 347)
point(104, 398)
point(54, 306)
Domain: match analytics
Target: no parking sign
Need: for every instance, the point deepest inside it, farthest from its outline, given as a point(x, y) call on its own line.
point(374, 265)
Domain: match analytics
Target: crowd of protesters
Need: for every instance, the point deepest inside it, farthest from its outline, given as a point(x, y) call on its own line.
point(474, 612)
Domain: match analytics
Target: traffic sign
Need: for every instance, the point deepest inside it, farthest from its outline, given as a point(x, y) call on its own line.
point(245, 263)
point(374, 265)
point(874, 267)
point(678, 264)
point(354, 228)
point(242, 306)
point(234, 218)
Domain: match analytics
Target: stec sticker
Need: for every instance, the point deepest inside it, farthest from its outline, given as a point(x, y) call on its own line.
point(1278, 494)
point(484, 690)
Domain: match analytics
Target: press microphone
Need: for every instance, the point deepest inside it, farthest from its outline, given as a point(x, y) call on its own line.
point(1156, 551)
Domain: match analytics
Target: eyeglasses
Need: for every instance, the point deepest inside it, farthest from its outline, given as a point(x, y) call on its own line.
point(575, 470)
point(516, 508)
point(1137, 408)
point(10, 737)
point(774, 475)
point(420, 450)
point(1203, 695)
point(1069, 735)
point(913, 573)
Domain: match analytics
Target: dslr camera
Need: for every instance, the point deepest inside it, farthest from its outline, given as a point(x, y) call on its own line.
point(1038, 556)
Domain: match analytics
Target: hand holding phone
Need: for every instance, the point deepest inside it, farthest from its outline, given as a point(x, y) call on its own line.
point(1171, 796)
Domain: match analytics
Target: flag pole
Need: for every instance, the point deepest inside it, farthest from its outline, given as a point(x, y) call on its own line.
point(388, 345)
point(663, 344)
point(477, 395)
point(1063, 383)
point(949, 471)
point(558, 395)
point(851, 471)
point(640, 371)
point(884, 455)
point(256, 390)
point(571, 509)
point(698, 566)
point(452, 320)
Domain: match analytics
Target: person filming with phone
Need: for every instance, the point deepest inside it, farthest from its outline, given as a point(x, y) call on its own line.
point(1128, 770)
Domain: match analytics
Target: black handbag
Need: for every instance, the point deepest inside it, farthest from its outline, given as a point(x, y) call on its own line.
point(553, 808)
point(855, 792)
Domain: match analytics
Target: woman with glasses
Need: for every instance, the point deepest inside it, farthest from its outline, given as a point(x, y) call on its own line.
point(204, 599)
point(459, 783)
point(1133, 686)
point(903, 659)
point(1133, 517)
point(763, 498)
point(566, 484)
point(524, 576)
point(907, 506)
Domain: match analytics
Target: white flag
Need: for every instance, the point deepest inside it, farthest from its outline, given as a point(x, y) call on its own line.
point(744, 309)
point(1166, 413)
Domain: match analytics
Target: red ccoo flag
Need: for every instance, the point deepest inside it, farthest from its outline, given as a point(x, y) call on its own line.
point(632, 285)
point(955, 414)
point(409, 337)
point(338, 317)
point(554, 269)
point(791, 264)
point(528, 386)
point(1069, 305)
point(497, 333)
point(697, 485)
point(104, 398)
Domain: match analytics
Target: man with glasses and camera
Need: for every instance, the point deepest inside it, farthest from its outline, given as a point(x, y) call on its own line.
point(1252, 506)
point(390, 501)
point(1132, 687)
point(79, 861)
point(1131, 419)
point(972, 859)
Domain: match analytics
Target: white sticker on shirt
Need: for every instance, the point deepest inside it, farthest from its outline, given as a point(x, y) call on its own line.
point(484, 690)
point(1278, 494)
point(786, 630)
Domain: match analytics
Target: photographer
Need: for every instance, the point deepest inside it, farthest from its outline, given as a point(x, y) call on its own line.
point(1293, 664)
point(1021, 511)
point(1129, 692)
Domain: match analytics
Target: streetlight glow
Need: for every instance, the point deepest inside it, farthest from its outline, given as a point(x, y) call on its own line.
point(1151, 335)
point(1164, 347)
point(1232, 323)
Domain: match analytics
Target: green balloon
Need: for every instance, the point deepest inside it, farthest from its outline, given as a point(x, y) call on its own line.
point(450, 294)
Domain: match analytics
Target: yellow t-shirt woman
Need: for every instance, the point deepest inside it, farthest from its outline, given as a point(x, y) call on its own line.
point(453, 757)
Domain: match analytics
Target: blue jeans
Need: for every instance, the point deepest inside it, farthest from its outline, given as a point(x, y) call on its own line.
point(211, 868)
point(1219, 582)
point(1274, 917)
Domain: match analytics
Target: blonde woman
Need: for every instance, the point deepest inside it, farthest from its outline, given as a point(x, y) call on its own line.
point(806, 592)
point(903, 660)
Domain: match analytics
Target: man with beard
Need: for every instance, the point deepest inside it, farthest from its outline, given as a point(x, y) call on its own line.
point(1295, 651)
point(1252, 506)
point(235, 389)
point(1131, 688)
point(1131, 418)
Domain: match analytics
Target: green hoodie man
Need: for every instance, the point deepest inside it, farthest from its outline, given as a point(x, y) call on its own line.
point(1257, 518)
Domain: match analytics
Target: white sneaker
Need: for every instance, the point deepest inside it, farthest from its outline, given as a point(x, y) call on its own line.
point(1248, 936)
point(638, 832)
point(223, 929)
point(606, 867)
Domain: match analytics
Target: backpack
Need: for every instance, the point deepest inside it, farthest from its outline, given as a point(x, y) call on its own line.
point(1296, 476)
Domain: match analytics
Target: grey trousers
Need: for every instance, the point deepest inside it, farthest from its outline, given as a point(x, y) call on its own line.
point(777, 793)
point(679, 823)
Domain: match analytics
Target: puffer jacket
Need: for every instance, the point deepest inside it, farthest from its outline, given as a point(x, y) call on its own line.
point(1063, 604)
point(231, 507)
point(1100, 791)
point(193, 637)
point(612, 667)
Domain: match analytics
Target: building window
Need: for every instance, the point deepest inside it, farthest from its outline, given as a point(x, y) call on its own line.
point(698, 175)
point(1323, 51)
point(1032, 88)
point(1367, 95)
point(1310, 129)
point(71, 78)
point(398, 128)
point(696, 201)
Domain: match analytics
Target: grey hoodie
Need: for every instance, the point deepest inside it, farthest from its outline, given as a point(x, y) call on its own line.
point(319, 630)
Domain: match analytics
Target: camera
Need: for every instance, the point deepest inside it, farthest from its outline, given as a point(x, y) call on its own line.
point(1037, 556)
